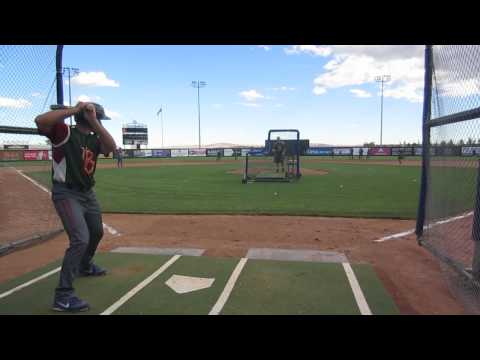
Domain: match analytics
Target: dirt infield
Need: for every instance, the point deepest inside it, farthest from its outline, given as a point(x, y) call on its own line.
point(25, 209)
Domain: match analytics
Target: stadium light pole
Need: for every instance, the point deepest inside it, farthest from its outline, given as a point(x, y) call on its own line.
point(382, 79)
point(70, 71)
point(199, 84)
point(160, 114)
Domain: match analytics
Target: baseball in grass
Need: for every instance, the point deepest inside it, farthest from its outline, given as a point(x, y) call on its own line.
point(341, 186)
point(275, 193)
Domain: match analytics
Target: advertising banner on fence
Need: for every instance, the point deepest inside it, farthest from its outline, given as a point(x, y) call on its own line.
point(315, 151)
point(448, 151)
point(127, 153)
point(356, 151)
point(470, 150)
point(35, 155)
point(257, 152)
point(342, 151)
point(11, 155)
point(197, 152)
point(214, 152)
point(418, 151)
point(139, 153)
point(160, 153)
point(179, 152)
point(380, 151)
point(407, 151)
point(245, 152)
point(227, 152)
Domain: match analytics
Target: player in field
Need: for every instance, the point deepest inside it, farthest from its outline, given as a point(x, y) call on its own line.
point(279, 150)
point(75, 150)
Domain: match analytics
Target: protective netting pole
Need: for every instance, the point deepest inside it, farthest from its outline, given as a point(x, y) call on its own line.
point(427, 100)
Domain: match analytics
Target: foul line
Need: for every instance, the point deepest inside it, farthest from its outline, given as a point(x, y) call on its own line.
point(357, 290)
point(409, 232)
point(228, 288)
point(110, 229)
point(140, 286)
point(28, 283)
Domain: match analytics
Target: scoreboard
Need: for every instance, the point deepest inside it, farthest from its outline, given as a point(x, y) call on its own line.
point(135, 134)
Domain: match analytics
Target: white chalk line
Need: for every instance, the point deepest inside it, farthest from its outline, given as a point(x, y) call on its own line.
point(217, 308)
point(28, 283)
point(409, 232)
point(357, 290)
point(140, 286)
point(110, 229)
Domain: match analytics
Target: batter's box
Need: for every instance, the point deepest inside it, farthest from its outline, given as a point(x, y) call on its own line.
point(297, 255)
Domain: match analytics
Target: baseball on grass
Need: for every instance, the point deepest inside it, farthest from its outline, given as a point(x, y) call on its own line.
point(275, 193)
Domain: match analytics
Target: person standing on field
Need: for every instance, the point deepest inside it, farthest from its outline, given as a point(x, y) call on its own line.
point(75, 150)
point(119, 158)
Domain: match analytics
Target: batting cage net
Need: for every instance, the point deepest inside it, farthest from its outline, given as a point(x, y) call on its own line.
point(27, 89)
point(278, 161)
point(448, 220)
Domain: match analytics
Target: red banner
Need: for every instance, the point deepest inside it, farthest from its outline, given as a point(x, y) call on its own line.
point(380, 151)
point(35, 155)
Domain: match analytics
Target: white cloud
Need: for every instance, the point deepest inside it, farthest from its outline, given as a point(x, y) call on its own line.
point(14, 103)
point(265, 47)
point(319, 90)
point(251, 95)
point(315, 50)
point(354, 65)
point(93, 78)
point(360, 93)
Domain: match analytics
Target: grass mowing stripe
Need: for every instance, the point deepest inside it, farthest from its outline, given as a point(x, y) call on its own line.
point(228, 288)
point(357, 290)
point(28, 283)
point(140, 286)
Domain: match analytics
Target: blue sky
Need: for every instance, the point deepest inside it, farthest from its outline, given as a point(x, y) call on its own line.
point(327, 92)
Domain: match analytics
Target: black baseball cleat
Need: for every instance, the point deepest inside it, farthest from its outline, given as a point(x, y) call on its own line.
point(93, 270)
point(71, 304)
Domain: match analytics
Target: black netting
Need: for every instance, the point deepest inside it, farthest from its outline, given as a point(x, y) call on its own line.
point(27, 88)
point(453, 167)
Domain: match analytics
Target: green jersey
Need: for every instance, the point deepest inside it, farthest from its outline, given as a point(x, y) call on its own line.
point(74, 156)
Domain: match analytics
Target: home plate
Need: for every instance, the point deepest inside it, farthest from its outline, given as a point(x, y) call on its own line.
point(185, 284)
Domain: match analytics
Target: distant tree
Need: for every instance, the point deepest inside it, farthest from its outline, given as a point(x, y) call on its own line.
point(461, 142)
point(450, 143)
point(369, 144)
point(443, 143)
point(470, 141)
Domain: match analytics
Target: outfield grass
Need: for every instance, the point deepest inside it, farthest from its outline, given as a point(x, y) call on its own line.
point(347, 190)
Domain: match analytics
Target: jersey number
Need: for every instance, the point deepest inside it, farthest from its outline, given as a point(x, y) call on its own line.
point(88, 161)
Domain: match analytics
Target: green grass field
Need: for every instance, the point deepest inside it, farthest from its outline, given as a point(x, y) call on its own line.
point(351, 190)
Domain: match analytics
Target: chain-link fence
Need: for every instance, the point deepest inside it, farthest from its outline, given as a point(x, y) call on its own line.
point(28, 79)
point(450, 180)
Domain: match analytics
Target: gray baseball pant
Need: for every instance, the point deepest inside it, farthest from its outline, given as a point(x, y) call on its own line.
point(82, 220)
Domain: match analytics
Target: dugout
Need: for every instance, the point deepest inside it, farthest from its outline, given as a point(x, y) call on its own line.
point(266, 165)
